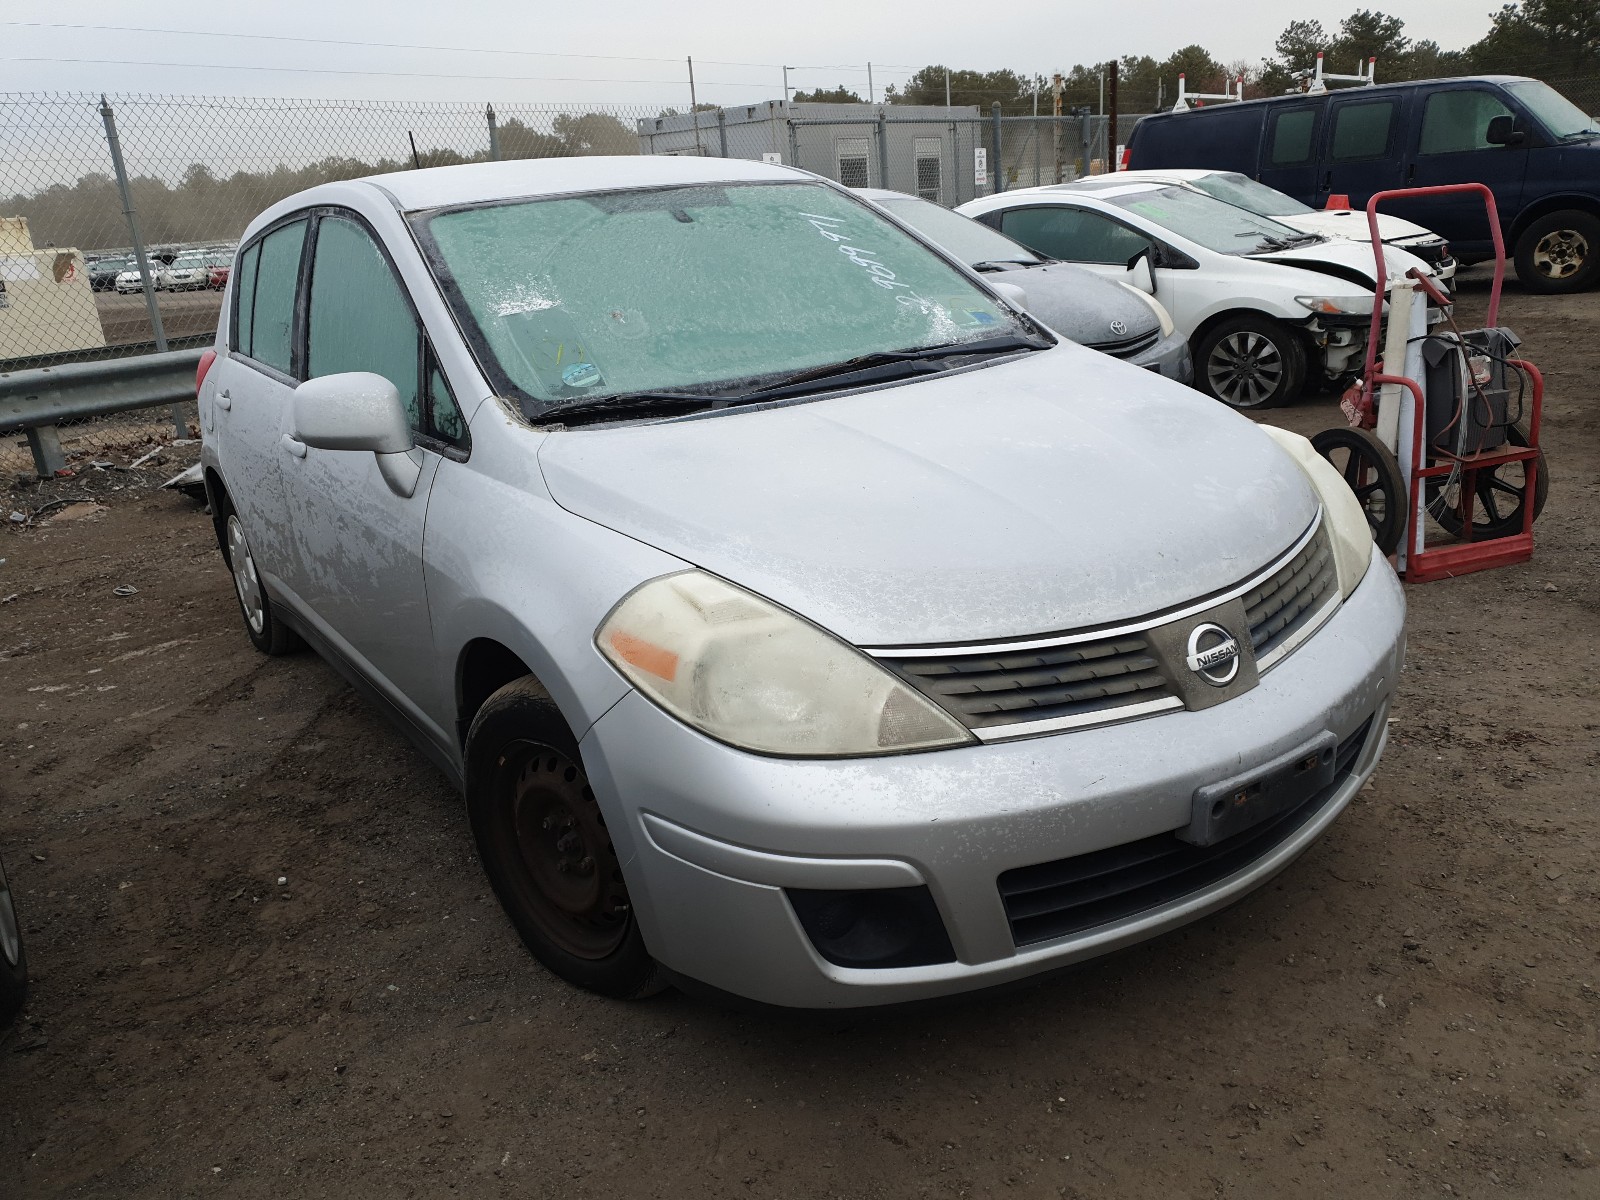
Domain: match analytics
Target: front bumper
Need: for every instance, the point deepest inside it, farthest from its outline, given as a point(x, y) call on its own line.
point(1169, 357)
point(711, 837)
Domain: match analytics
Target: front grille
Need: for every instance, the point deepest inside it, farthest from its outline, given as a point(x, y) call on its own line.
point(1082, 679)
point(1052, 900)
point(1281, 605)
point(1128, 347)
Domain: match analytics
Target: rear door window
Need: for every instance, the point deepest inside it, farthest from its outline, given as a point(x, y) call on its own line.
point(1073, 234)
point(1458, 120)
point(269, 275)
point(1362, 130)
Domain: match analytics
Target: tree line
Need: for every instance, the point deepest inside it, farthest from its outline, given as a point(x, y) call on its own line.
point(1558, 40)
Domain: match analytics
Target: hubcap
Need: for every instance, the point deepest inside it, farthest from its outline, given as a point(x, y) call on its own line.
point(572, 877)
point(1245, 368)
point(245, 581)
point(10, 935)
point(1561, 253)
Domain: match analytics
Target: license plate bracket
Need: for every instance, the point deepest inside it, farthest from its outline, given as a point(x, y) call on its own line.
point(1221, 810)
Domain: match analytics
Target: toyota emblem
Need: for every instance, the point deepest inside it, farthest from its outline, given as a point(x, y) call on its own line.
point(1213, 654)
point(1119, 328)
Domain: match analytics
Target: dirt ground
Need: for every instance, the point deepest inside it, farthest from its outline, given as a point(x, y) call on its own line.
point(266, 964)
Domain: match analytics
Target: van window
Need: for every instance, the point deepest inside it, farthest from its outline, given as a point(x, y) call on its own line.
point(1457, 120)
point(1362, 130)
point(1073, 235)
point(1292, 132)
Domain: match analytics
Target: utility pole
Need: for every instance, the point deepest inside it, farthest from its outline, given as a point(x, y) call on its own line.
point(1102, 91)
point(786, 87)
point(870, 99)
point(1057, 86)
point(694, 108)
point(947, 87)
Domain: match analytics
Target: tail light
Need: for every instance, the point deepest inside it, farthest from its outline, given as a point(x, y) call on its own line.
point(206, 359)
point(1127, 157)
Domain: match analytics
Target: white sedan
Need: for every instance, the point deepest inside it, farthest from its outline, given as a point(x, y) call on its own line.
point(187, 272)
point(1262, 304)
point(1347, 223)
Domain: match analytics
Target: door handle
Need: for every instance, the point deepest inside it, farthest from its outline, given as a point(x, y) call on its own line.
point(224, 401)
point(1327, 182)
point(1411, 173)
point(296, 448)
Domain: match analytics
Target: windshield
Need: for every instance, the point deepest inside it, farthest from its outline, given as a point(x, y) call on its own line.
point(963, 237)
point(1208, 221)
point(696, 288)
point(1556, 113)
point(1243, 192)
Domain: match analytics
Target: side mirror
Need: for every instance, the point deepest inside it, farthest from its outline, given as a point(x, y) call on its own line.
point(1012, 294)
point(357, 410)
point(1140, 273)
point(1503, 131)
point(354, 410)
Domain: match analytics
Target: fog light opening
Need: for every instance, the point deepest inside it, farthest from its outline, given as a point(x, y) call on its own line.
point(881, 927)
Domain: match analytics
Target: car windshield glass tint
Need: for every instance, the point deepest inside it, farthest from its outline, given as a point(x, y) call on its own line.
point(1205, 220)
point(1243, 192)
point(1556, 113)
point(691, 288)
point(963, 237)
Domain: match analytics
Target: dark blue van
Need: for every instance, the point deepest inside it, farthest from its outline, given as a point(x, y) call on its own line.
point(1537, 150)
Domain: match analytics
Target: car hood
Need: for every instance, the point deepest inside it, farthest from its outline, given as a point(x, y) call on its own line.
point(1346, 260)
point(1055, 491)
point(1079, 304)
point(1352, 224)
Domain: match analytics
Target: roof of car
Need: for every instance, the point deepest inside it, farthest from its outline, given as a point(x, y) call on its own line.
point(443, 187)
point(1100, 185)
point(883, 194)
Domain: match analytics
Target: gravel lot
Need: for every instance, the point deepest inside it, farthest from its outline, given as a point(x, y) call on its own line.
point(267, 965)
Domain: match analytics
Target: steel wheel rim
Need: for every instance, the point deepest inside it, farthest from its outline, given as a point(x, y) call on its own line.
point(1245, 368)
point(1362, 478)
point(245, 580)
point(1488, 507)
point(10, 933)
point(566, 866)
point(1561, 253)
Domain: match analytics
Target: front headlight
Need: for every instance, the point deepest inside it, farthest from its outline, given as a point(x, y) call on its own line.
point(1154, 305)
point(1341, 511)
point(754, 675)
point(1336, 304)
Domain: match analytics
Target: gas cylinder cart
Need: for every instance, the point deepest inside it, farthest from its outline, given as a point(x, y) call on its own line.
point(1445, 425)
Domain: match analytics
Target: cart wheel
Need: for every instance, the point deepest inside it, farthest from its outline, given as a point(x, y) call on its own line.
point(1498, 497)
point(1373, 475)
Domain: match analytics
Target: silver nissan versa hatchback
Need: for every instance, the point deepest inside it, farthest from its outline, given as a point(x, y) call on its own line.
point(797, 617)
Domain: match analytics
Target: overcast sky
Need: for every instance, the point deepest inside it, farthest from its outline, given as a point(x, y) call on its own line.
point(635, 47)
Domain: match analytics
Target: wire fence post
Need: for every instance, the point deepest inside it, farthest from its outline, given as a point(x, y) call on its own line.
point(883, 149)
point(999, 163)
point(722, 131)
point(794, 143)
point(494, 134)
point(179, 424)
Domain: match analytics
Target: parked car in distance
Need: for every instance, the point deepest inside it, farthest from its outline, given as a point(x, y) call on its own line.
point(217, 277)
point(798, 616)
point(1538, 152)
point(187, 272)
point(1105, 315)
point(1347, 223)
point(103, 272)
point(129, 280)
point(1264, 306)
point(13, 958)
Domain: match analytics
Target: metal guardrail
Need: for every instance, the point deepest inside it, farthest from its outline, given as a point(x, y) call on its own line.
point(35, 401)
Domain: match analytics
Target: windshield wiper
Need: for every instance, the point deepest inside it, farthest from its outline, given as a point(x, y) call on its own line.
point(865, 368)
point(1000, 264)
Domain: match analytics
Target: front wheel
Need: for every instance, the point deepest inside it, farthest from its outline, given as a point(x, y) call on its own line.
point(545, 847)
point(1560, 252)
point(1250, 361)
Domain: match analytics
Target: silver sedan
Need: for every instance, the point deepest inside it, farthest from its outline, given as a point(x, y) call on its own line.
point(798, 617)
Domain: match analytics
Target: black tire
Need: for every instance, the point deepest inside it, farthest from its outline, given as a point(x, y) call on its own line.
point(1250, 362)
point(544, 846)
point(1374, 476)
point(13, 958)
point(1560, 252)
point(1507, 484)
point(266, 633)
